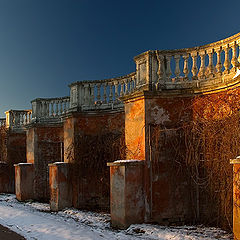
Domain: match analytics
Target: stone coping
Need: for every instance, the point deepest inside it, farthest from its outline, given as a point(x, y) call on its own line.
point(131, 162)
point(103, 80)
point(235, 161)
point(20, 164)
point(58, 163)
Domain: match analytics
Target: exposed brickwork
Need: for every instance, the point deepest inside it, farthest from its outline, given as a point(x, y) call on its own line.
point(44, 146)
point(169, 199)
point(90, 142)
point(13, 150)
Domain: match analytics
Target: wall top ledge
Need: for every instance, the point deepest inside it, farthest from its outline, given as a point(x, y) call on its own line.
point(58, 163)
point(131, 162)
point(20, 164)
point(235, 161)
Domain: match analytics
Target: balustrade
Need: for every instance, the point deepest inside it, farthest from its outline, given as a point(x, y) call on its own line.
point(199, 64)
point(2, 122)
point(18, 118)
point(102, 94)
point(192, 68)
point(48, 108)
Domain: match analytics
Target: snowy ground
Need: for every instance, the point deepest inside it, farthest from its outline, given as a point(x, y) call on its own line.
point(35, 221)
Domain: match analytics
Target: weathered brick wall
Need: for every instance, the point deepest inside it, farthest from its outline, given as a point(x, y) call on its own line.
point(90, 142)
point(44, 146)
point(151, 129)
point(171, 151)
point(13, 150)
point(171, 197)
point(216, 119)
point(3, 144)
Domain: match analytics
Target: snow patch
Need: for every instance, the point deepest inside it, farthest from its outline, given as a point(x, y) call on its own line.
point(34, 221)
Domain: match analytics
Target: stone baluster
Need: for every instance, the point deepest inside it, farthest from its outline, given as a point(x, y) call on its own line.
point(210, 66)
point(177, 68)
point(86, 94)
point(234, 57)
point(121, 88)
point(219, 62)
point(116, 90)
point(227, 62)
point(237, 47)
point(168, 66)
point(127, 86)
point(194, 65)
point(98, 92)
point(202, 69)
point(111, 92)
point(47, 109)
point(19, 114)
point(135, 82)
point(61, 107)
point(105, 92)
point(12, 119)
point(26, 117)
point(52, 108)
point(23, 118)
point(20, 118)
point(64, 106)
point(17, 118)
point(185, 67)
point(131, 85)
point(92, 98)
point(56, 103)
point(43, 109)
point(160, 71)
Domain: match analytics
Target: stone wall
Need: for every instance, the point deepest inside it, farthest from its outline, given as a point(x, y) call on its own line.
point(13, 150)
point(44, 146)
point(90, 141)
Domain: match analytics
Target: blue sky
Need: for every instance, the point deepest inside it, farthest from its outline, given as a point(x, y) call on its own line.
point(47, 44)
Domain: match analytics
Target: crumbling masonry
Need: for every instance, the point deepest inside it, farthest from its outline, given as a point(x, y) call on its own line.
point(128, 128)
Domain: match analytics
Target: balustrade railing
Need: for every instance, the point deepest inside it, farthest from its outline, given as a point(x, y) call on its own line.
point(2, 122)
point(18, 118)
point(101, 94)
point(190, 67)
point(198, 69)
point(49, 108)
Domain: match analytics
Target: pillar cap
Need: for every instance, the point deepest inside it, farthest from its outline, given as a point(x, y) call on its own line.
point(20, 164)
point(131, 162)
point(235, 161)
point(58, 163)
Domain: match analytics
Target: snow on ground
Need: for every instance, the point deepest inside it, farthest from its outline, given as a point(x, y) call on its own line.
point(35, 221)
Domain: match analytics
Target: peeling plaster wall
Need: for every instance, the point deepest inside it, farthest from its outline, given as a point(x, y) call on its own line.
point(14, 151)
point(170, 199)
point(90, 177)
point(44, 146)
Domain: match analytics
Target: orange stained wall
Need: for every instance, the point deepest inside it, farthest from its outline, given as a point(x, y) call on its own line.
point(135, 129)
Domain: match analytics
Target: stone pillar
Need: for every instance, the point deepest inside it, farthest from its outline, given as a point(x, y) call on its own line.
point(126, 193)
point(6, 178)
point(236, 198)
point(60, 187)
point(44, 146)
point(24, 181)
point(150, 120)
